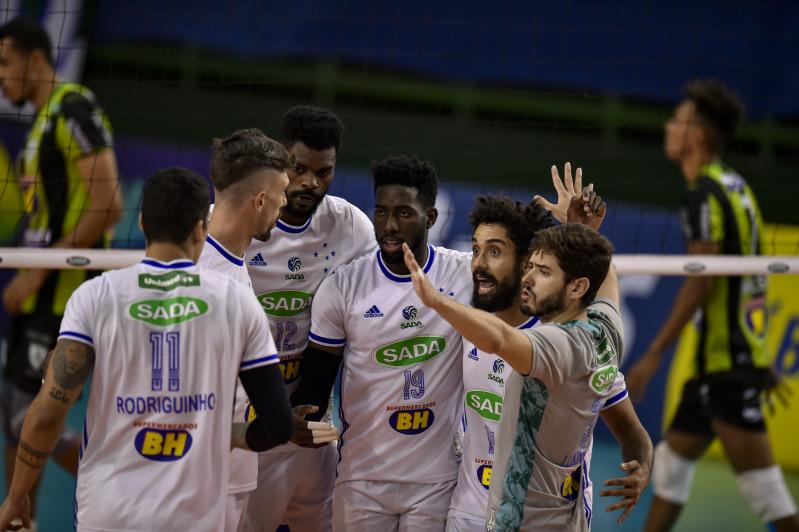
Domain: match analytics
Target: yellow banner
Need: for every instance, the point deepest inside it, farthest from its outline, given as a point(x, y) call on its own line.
point(783, 343)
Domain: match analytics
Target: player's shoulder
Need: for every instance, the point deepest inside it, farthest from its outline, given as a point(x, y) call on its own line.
point(453, 255)
point(339, 209)
point(348, 276)
point(77, 100)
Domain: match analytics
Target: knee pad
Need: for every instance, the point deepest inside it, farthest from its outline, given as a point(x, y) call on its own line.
point(672, 474)
point(765, 491)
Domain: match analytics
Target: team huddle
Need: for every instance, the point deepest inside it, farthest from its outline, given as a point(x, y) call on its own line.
point(216, 357)
point(278, 358)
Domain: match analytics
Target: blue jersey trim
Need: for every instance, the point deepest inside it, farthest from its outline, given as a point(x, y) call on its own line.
point(293, 229)
point(225, 253)
point(529, 323)
point(249, 363)
point(615, 399)
point(174, 265)
point(431, 256)
point(83, 337)
point(329, 341)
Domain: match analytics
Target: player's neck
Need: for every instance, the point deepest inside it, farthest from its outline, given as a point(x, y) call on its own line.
point(574, 312)
point(229, 230)
point(513, 315)
point(167, 252)
point(296, 220)
point(43, 89)
point(693, 162)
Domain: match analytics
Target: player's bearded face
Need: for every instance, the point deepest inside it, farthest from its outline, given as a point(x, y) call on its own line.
point(390, 243)
point(399, 217)
point(543, 305)
point(493, 294)
point(544, 287)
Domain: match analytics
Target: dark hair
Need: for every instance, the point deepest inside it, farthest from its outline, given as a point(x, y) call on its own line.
point(317, 128)
point(246, 151)
point(580, 251)
point(28, 35)
point(718, 107)
point(408, 172)
point(173, 200)
point(520, 221)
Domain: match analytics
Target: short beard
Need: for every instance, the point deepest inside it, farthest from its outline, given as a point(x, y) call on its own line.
point(547, 307)
point(398, 258)
point(289, 209)
point(504, 295)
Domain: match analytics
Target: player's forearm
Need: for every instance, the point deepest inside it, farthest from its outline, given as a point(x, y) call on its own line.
point(318, 375)
point(626, 428)
point(39, 436)
point(274, 419)
point(690, 298)
point(488, 333)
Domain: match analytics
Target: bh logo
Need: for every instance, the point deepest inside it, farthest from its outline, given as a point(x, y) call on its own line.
point(163, 445)
point(484, 475)
point(499, 366)
point(409, 312)
point(411, 422)
point(295, 263)
point(570, 487)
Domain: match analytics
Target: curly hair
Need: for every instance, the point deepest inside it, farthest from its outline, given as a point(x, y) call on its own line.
point(522, 222)
point(317, 128)
point(408, 172)
point(718, 108)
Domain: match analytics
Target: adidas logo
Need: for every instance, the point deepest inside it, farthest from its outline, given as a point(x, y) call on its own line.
point(373, 312)
point(473, 354)
point(257, 260)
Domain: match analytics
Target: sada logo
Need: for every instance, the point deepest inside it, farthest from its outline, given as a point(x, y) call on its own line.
point(602, 379)
point(163, 445)
point(484, 475)
point(487, 404)
point(409, 314)
point(163, 312)
point(295, 263)
point(410, 351)
point(285, 303)
point(412, 422)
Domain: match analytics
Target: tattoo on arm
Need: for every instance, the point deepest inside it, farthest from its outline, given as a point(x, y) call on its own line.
point(72, 363)
point(59, 395)
point(30, 456)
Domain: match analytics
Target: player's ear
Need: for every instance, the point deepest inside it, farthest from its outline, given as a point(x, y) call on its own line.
point(432, 216)
point(141, 223)
point(200, 232)
point(259, 201)
point(578, 288)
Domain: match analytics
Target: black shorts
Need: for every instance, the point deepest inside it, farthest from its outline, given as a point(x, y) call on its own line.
point(30, 337)
point(733, 397)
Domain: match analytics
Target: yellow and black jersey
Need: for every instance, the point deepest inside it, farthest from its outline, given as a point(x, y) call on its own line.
point(721, 208)
point(68, 127)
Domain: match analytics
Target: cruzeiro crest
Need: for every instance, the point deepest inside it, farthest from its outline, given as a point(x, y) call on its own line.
point(409, 312)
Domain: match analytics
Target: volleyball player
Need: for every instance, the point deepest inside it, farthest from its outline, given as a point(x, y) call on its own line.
point(248, 172)
point(315, 234)
point(157, 432)
point(722, 398)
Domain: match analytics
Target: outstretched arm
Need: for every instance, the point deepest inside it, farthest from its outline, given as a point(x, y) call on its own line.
point(69, 367)
point(636, 451)
point(487, 332)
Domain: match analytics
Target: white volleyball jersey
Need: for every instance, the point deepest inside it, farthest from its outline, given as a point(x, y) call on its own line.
point(484, 377)
point(401, 380)
point(170, 340)
point(287, 269)
point(243, 464)
point(541, 476)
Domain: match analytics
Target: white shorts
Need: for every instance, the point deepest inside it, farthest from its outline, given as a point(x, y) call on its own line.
point(459, 523)
point(369, 506)
point(294, 487)
point(235, 507)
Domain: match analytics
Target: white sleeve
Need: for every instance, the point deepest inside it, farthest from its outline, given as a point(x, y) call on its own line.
point(617, 393)
point(79, 313)
point(363, 234)
point(327, 314)
point(259, 347)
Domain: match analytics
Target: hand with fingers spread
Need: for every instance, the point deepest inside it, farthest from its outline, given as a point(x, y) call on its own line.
point(587, 208)
point(566, 190)
point(427, 294)
point(313, 434)
point(630, 488)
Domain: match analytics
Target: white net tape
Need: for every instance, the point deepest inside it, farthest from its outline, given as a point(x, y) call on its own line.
point(103, 259)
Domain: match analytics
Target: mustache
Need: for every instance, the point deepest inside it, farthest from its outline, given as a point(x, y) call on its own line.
point(485, 275)
point(314, 195)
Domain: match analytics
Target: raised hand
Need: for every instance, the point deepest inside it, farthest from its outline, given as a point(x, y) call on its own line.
point(587, 208)
point(566, 190)
point(630, 488)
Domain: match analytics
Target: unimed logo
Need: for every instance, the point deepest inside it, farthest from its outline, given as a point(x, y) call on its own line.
point(168, 281)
